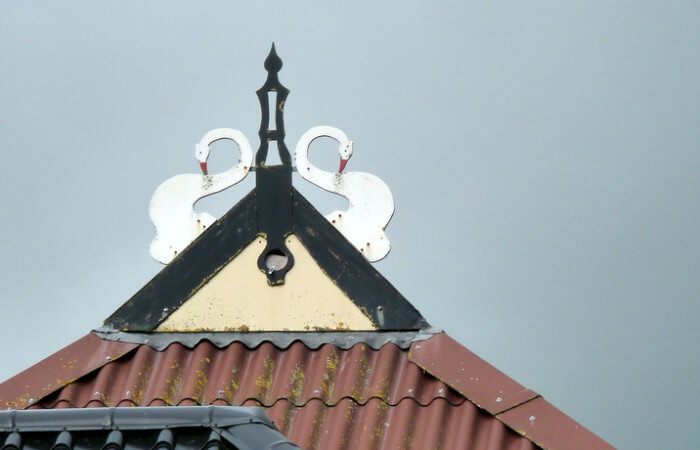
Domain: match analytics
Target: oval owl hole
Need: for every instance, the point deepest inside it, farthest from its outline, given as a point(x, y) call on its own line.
point(275, 260)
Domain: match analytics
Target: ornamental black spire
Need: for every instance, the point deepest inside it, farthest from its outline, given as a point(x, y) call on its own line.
point(273, 63)
point(273, 263)
point(273, 182)
point(275, 91)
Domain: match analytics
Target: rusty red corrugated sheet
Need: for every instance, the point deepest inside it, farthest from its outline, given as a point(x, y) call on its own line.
point(483, 384)
point(266, 374)
point(325, 398)
point(439, 425)
point(373, 425)
point(82, 356)
point(521, 409)
point(544, 424)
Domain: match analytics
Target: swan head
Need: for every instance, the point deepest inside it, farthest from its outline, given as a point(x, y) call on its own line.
point(345, 151)
point(201, 152)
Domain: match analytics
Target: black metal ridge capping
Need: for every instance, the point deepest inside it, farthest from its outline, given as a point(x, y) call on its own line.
point(184, 427)
point(273, 209)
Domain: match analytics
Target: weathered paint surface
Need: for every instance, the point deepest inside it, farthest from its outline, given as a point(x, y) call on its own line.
point(477, 380)
point(63, 367)
point(228, 236)
point(172, 204)
point(371, 204)
point(238, 298)
point(326, 398)
point(204, 374)
point(542, 423)
point(522, 409)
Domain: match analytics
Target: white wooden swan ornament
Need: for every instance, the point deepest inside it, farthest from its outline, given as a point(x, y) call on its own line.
point(172, 204)
point(371, 202)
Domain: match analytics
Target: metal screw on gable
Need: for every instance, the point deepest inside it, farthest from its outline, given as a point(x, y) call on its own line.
point(380, 315)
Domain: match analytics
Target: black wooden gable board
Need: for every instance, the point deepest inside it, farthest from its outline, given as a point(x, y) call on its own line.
point(228, 236)
point(350, 271)
point(185, 274)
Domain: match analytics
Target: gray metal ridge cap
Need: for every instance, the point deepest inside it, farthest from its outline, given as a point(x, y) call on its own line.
point(134, 418)
point(280, 339)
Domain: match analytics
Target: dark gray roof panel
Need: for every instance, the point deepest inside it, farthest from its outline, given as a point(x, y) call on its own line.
point(183, 427)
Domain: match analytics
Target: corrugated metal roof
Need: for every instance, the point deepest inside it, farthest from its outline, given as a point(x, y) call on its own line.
point(489, 388)
point(324, 398)
point(439, 425)
point(265, 374)
point(73, 361)
point(470, 375)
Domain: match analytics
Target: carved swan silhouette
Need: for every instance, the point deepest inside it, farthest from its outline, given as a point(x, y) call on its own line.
point(172, 204)
point(371, 202)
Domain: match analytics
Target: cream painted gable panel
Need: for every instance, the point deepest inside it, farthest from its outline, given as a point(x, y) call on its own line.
point(238, 298)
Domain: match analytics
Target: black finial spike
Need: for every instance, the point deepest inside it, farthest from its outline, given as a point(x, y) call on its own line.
point(273, 183)
point(273, 63)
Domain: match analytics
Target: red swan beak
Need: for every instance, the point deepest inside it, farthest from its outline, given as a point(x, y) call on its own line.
point(203, 165)
point(343, 162)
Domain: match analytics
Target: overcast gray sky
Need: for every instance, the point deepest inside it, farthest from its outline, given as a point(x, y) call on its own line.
point(543, 157)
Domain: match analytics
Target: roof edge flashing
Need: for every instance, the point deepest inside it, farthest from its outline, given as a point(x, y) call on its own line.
point(280, 339)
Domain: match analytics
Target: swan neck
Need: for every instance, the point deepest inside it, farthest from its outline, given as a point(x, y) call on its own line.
point(227, 178)
point(309, 171)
